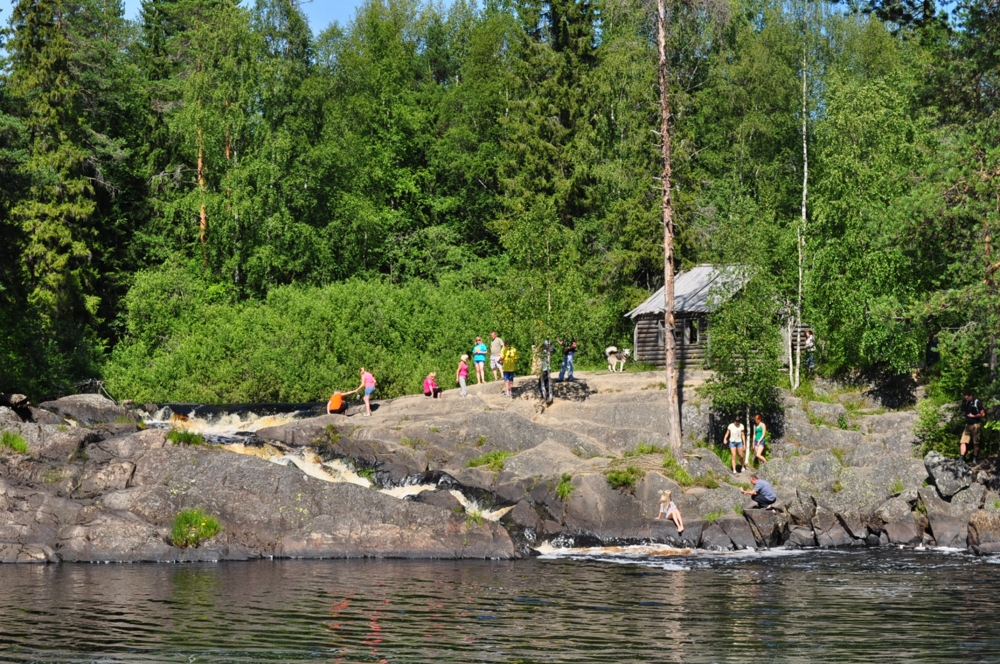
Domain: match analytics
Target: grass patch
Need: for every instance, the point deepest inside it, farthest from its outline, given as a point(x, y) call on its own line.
point(837, 486)
point(712, 516)
point(623, 478)
point(565, 486)
point(708, 480)
point(493, 460)
point(842, 421)
point(473, 517)
point(738, 509)
point(434, 429)
point(178, 437)
point(192, 527)
point(996, 504)
point(412, 443)
point(742, 485)
point(656, 386)
point(897, 486)
point(14, 442)
point(675, 471)
point(332, 434)
point(840, 453)
point(367, 473)
point(480, 441)
point(644, 448)
point(817, 421)
point(722, 451)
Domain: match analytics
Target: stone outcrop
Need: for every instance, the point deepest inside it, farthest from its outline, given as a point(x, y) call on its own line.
point(87, 409)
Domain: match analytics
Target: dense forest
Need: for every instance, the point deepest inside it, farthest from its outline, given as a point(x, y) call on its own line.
point(213, 204)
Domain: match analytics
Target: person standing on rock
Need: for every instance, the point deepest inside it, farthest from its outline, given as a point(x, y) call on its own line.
point(479, 359)
point(569, 352)
point(368, 385)
point(810, 348)
point(544, 366)
point(974, 413)
point(763, 493)
point(759, 436)
point(461, 374)
point(736, 438)
point(508, 361)
point(496, 347)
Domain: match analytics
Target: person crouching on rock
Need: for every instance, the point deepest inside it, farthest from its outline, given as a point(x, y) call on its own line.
point(669, 510)
point(431, 388)
point(736, 437)
point(762, 493)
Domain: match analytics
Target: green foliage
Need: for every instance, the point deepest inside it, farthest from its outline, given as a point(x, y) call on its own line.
point(192, 527)
point(738, 509)
point(675, 471)
point(367, 473)
point(841, 455)
point(623, 478)
point(565, 486)
point(14, 442)
point(644, 448)
point(712, 516)
point(492, 460)
point(842, 421)
point(897, 486)
point(178, 437)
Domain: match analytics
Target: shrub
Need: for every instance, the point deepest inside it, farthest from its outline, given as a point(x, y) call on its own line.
point(675, 471)
point(492, 460)
point(178, 437)
point(623, 478)
point(12, 441)
point(192, 527)
point(565, 486)
point(644, 448)
point(897, 486)
point(712, 516)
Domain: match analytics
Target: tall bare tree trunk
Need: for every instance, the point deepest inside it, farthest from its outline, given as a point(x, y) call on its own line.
point(673, 403)
point(801, 231)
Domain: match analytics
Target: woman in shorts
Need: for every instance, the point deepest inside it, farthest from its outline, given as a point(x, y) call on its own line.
point(736, 437)
point(759, 436)
point(368, 385)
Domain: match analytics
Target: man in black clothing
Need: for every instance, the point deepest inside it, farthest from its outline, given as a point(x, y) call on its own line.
point(974, 413)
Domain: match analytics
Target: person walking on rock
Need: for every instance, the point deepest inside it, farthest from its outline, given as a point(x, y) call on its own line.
point(759, 436)
point(368, 385)
point(763, 493)
point(810, 348)
point(496, 347)
point(479, 359)
point(569, 352)
point(974, 413)
point(431, 388)
point(669, 510)
point(461, 374)
point(736, 438)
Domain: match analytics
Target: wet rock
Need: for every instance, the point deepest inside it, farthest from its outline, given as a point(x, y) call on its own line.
point(439, 498)
point(714, 538)
point(86, 409)
point(800, 537)
point(853, 524)
point(594, 508)
point(949, 475)
point(984, 532)
point(904, 531)
point(526, 517)
point(947, 529)
point(830, 533)
point(769, 528)
point(738, 531)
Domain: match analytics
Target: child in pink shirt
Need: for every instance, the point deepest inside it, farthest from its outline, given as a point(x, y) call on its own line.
point(462, 373)
point(430, 386)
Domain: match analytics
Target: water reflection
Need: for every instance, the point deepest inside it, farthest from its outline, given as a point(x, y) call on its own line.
point(848, 606)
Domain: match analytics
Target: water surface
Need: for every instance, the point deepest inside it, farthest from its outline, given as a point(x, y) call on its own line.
point(603, 606)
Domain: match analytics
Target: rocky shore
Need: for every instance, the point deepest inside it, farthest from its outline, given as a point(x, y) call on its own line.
point(94, 486)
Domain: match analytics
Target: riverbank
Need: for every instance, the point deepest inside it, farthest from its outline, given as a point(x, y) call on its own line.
point(480, 477)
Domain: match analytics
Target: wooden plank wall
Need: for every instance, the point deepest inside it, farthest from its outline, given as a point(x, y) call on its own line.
point(649, 349)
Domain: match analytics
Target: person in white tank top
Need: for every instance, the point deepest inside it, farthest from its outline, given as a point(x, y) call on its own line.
point(736, 438)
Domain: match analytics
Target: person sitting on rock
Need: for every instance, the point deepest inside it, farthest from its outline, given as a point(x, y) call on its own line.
point(431, 388)
point(669, 510)
point(763, 493)
point(736, 437)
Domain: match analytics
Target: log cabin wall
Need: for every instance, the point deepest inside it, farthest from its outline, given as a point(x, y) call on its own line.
point(691, 334)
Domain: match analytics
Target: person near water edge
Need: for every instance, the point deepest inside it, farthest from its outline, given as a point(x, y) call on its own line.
point(496, 347)
point(569, 352)
point(736, 438)
point(668, 510)
point(479, 352)
point(461, 374)
point(762, 493)
point(972, 409)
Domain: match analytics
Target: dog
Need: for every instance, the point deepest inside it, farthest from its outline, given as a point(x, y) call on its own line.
point(617, 358)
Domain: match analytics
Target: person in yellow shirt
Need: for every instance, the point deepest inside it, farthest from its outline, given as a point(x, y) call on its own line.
point(508, 360)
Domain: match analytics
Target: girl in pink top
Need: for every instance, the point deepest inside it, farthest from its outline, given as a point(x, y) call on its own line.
point(430, 386)
point(460, 375)
point(368, 384)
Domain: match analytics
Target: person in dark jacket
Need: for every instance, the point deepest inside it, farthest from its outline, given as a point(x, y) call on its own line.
point(972, 409)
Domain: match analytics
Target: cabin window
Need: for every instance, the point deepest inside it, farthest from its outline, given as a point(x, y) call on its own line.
point(693, 331)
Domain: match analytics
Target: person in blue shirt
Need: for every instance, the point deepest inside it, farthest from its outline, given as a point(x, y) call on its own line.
point(762, 493)
point(479, 352)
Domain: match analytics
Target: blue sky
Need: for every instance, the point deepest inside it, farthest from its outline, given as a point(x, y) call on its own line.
point(321, 13)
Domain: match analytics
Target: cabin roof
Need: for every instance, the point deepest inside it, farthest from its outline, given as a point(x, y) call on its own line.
point(693, 291)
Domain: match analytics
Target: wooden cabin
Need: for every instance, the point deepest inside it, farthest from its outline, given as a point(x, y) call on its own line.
point(696, 292)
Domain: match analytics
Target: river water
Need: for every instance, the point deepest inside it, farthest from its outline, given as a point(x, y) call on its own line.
point(635, 605)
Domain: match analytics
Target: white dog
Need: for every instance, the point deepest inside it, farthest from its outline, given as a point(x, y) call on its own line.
point(617, 358)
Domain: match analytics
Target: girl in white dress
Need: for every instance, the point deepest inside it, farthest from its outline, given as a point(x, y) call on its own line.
point(669, 510)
